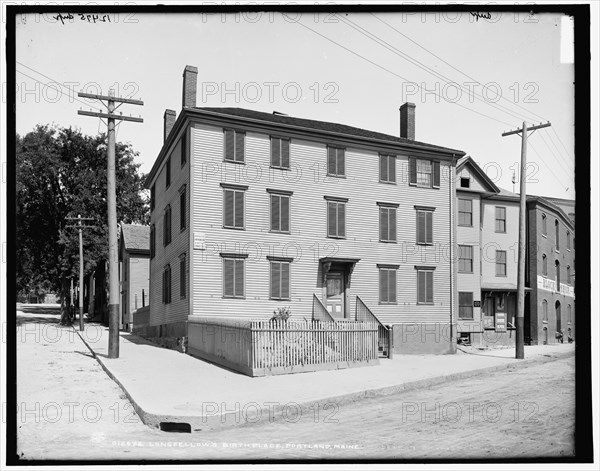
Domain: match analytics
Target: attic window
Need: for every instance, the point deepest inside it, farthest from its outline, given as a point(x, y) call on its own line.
point(465, 182)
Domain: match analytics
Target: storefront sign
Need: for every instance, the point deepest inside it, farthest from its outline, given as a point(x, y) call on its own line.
point(500, 322)
point(549, 284)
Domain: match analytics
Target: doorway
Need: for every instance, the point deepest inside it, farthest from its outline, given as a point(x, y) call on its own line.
point(558, 316)
point(335, 294)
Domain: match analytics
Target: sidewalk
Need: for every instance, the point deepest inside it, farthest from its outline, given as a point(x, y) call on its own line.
point(168, 386)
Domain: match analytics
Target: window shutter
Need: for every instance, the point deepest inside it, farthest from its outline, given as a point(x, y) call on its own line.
point(228, 209)
point(285, 280)
point(275, 208)
point(383, 285)
point(169, 284)
point(275, 157)
point(285, 213)
point(239, 208)
point(383, 168)
point(182, 210)
point(412, 171)
point(239, 278)
point(429, 227)
point(421, 286)
point(229, 144)
point(392, 214)
point(331, 162)
point(420, 227)
point(429, 286)
point(383, 224)
point(285, 153)
point(239, 146)
point(331, 219)
point(228, 268)
point(182, 288)
point(392, 286)
point(341, 162)
point(275, 280)
point(436, 174)
point(341, 212)
point(163, 285)
point(392, 169)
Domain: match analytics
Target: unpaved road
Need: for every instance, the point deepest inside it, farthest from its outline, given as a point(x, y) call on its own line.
point(70, 409)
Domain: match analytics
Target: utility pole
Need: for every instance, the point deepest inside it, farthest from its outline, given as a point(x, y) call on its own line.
point(80, 227)
point(113, 267)
point(520, 340)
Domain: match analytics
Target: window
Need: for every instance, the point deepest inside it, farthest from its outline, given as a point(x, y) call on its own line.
point(234, 145)
point(387, 222)
point(152, 197)
point(465, 212)
point(183, 149)
point(424, 225)
point(557, 233)
point(280, 152)
point(336, 161)
point(336, 217)
point(568, 240)
point(387, 168)
point(168, 172)
point(465, 182)
point(166, 285)
point(500, 262)
point(544, 225)
point(424, 173)
point(557, 268)
point(568, 275)
point(569, 314)
point(152, 240)
point(545, 310)
point(424, 285)
point(233, 275)
point(500, 219)
point(233, 206)
point(280, 211)
point(544, 265)
point(465, 259)
point(182, 276)
point(387, 284)
point(167, 226)
point(182, 203)
point(280, 279)
point(465, 305)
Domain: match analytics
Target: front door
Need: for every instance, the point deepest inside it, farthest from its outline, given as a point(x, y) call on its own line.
point(335, 294)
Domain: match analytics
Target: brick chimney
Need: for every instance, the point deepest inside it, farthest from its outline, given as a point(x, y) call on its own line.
point(190, 78)
point(407, 121)
point(170, 117)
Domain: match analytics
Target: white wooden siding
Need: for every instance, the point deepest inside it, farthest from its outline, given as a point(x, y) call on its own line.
point(475, 182)
point(492, 240)
point(307, 241)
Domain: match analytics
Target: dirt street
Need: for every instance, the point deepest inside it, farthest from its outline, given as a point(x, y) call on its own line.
point(68, 408)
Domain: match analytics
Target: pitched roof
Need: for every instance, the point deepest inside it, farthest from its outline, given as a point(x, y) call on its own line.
point(468, 160)
point(136, 238)
point(321, 126)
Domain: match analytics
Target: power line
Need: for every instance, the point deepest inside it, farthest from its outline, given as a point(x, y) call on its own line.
point(562, 144)
point(424, 67)
point(450, 65)
point(558, 159)
point(548, 166)
point(568, 158)
point(395, 74)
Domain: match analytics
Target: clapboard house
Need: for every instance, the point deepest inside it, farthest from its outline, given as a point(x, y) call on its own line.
point(253, 211)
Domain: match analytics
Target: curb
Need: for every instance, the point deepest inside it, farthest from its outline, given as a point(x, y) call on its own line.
point(201, 423)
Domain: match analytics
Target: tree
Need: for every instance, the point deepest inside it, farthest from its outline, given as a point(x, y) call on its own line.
point(62, 173)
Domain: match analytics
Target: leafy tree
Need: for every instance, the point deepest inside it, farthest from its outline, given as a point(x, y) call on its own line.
point(62, 173)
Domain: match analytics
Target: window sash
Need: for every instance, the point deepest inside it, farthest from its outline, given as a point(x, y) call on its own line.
point(233, 208)
point(234, 145)
point(280, 152)
point(336, 219)
point(387, 286)
point(500, 219)
point(280, 281)
point(424, 227)
point(280, 213)
point(233, 278)
point(465, 259)
point(465, 212)
point(544, 225)
point(424, 286)
point(336, 162)
point(387, 224)
point(500, 263)
point(465, 305)
point(544, 265)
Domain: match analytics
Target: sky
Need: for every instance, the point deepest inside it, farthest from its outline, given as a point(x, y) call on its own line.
point(470, 78)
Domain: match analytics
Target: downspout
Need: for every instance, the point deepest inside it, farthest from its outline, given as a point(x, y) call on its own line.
point(452, 174)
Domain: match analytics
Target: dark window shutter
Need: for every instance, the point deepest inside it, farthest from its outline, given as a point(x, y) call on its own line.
point(383, 223)
point(239, 146)
point(182, 283)
point(275, 156)
point(228, 269)
point(429, 285)
point(285, 153)
point(228, 208)
point(331, 219)
point(421, 286)
point(165, 229)
point(392, 218)
point(275, 212)
point(383, 285)
point(392, 169)
point(341, 162)
point(239, 278)
point(420, 227)
point(152, 197)
point(392, 286)
point(229, 144)
point(412, 171)
point(182, 210)
point(331, 161)
point(285, 213)
point(183, 149)
point(275, 280)
point(239, 208)
point(341, 212)
point(285, 281)
point(168, 172)
point(429, 227)
point(152, 241)
point(383, 168)
point(436, 174)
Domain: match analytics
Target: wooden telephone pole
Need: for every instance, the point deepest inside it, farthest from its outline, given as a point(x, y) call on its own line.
point(80, 227)
point(520, 340)
point(113, 268)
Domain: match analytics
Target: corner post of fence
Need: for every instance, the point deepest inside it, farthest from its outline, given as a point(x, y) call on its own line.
point(390, 342)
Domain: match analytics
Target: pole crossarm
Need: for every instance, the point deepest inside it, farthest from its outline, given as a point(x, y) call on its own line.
point(77, 226)
point(110, 116)
point(532, 128)
point(112, 98)
point(79, 219)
